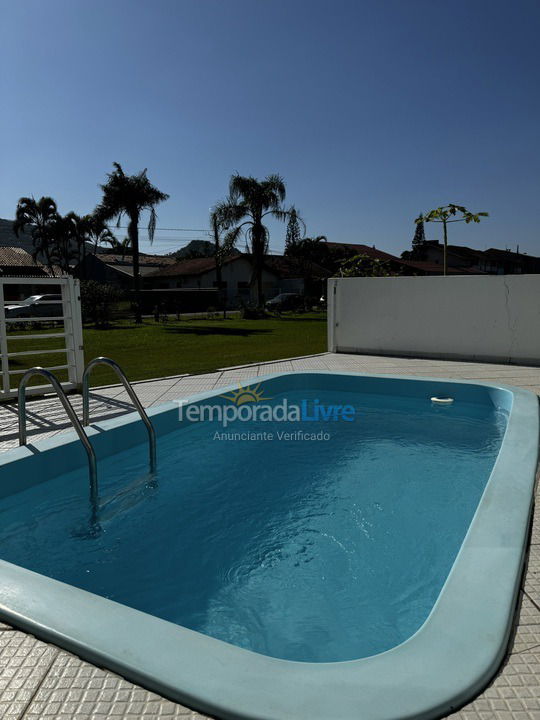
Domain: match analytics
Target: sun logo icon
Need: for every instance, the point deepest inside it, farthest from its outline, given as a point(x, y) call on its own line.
point(246, 395)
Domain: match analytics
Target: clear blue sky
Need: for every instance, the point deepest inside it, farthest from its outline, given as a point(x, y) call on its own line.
point(372, 110)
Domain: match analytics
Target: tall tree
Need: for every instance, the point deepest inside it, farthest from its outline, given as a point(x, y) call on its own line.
point(65, 248)
point(218, 224)
point(119, 247)
point(419, 239)
point(307, 252)
point(78, 230)
point(99, 233)
point(449, 214)
point(40, 217)
point(130, 195)
point(296, 229)
point(250, 201)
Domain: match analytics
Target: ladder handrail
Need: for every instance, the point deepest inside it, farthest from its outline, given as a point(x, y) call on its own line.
point(92, 468)
point(130, 391)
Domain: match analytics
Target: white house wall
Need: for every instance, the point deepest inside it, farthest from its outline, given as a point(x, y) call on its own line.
point(233, 273)
point(494, 318)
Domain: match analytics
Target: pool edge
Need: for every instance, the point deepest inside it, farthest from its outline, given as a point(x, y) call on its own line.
point(270, 686)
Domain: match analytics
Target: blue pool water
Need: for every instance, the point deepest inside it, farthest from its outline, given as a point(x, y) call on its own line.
point(305, 550)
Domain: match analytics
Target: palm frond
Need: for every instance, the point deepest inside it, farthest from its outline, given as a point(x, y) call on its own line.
point(283, 215)
point(276, 185)
point(231, 238)
point(219, 214)
point(242, 187)
point(128, 194)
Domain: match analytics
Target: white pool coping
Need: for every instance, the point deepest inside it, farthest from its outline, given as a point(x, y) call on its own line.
point(526, 648)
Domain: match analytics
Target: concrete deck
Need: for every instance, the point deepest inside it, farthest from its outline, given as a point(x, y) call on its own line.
point(38, 680)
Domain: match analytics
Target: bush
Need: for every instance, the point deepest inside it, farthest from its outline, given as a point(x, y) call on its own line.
point(251, 312)
point(97, 300)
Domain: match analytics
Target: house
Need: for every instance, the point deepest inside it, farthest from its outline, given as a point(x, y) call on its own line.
point(506, 262)
point(14, 261)
point(200, 273)
point(296, 277)
point(457, 256)
point(396, 264)
point(17, 263)
point(280, 274)
point(118, 269)
point(491, 261)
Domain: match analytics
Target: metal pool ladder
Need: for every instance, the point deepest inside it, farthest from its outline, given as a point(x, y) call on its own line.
point(130, 391)
point(92, 468)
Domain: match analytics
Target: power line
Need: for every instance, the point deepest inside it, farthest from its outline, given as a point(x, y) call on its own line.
point(161, 228)
point(271, 251)
point(171, 241)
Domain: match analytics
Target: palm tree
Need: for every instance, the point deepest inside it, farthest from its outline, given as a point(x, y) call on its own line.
point(249, 202)
point(119, 247)
point(218, 223)
point(65, 248)
point(98, 232)
point(307, 252)
point(446, 214)
point(130, 195)
point(78, 231)
point(41, 216)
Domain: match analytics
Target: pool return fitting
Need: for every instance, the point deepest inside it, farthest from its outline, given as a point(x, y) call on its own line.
point(79, 428)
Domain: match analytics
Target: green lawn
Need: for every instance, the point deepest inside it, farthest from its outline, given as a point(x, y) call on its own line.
point(192, 346)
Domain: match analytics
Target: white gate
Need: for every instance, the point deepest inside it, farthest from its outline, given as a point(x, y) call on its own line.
point(26, 332)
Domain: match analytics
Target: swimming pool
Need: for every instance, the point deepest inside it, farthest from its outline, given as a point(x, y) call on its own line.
point(331, 556)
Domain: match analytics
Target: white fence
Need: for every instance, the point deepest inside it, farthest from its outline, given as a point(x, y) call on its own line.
point(494, 318)
point(67, 326)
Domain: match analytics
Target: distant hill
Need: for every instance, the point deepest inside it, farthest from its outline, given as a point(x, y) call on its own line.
point(24, 241)
point(9, 239)
point(197, 249)
point(194, 249)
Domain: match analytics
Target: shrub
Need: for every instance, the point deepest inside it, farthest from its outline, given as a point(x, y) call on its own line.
point(97, 300)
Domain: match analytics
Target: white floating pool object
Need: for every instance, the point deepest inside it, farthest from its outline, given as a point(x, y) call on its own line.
point(442, 400)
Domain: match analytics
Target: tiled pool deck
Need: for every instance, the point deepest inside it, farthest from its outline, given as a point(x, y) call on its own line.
point(38, 680)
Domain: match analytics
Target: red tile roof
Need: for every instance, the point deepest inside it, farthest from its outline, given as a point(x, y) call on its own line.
point(195, 266)
point(287, 267)
point(368, 250)
point(17, 261)
point(283, 266)
point(426, 267)
point(117, 259)
point(15, 256)
point(437, 268)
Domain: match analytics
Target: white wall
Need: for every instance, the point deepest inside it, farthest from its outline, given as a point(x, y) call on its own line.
point(494, 318)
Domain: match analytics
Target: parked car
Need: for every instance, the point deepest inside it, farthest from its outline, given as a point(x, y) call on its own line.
point(35, 306)
point(16, 311)
point(285, 301)
point(47, 306)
